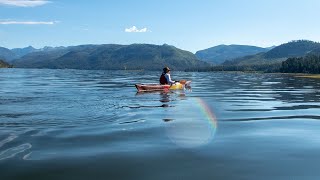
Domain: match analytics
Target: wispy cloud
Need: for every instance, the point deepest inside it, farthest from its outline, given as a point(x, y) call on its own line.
point(135, 29)
point(24, 3)
point(29, 22)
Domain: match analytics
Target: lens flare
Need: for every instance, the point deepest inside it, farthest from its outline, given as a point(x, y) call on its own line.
point(193, 124)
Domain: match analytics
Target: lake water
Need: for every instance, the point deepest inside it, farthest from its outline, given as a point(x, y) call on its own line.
point(73, 124)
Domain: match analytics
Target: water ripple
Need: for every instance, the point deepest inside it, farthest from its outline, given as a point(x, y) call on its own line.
point(12, 152)
point(314, 117)
point(8, 139)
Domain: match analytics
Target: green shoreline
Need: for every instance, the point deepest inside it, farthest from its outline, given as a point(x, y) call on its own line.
point(314, 76)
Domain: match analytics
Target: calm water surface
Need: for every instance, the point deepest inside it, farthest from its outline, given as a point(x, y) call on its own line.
point(72, 124)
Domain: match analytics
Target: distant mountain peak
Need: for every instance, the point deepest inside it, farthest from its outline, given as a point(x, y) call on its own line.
point(221, 53)
point(19, 52)
point(6, 54)
point(295, 48)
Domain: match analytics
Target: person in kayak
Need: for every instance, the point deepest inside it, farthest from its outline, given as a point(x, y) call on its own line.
point(165, 77)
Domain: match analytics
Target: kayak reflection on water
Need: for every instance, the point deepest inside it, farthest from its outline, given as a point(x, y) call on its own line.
point(164, 97)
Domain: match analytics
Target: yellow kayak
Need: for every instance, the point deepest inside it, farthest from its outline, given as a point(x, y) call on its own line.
point(176, 86)
point(158, 87)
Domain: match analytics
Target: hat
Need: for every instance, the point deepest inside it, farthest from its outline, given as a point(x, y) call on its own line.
point(166, 69)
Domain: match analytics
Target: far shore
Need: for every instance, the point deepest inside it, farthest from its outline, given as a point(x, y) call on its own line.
point(315, 76)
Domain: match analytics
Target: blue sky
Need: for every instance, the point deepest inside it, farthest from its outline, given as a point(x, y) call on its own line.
point(187, 24)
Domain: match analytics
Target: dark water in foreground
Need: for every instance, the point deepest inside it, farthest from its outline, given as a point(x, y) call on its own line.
point(70, 124)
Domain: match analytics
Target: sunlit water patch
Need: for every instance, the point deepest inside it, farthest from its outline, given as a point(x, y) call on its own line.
point(192, 124)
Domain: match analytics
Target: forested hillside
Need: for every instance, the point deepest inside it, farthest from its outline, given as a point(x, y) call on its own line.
point(112, 57)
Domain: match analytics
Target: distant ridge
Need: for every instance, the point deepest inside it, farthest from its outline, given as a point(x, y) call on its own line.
point(112, 57)
point(292, 49)
point(154, 57)
point(297, 48)
point(19, 52)
point(219, 54)
point(6, 54)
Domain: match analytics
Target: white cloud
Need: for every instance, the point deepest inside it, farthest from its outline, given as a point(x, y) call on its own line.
point(29, 22)
point(24, 3)
point(135, 29)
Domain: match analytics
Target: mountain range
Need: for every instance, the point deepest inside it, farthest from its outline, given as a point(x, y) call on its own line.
point(111, 57)
point(6, 54)
point(278, 54)
point(153, 57)
point(219, 54)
